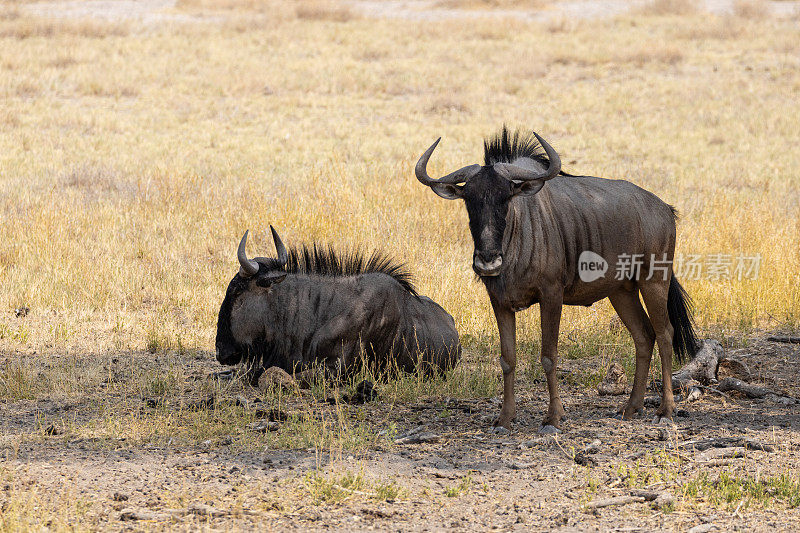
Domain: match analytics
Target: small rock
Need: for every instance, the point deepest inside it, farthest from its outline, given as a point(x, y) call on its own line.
point(225, 375)
point(732, 367)
point(615, 382)
point(781, 400)
point(418, 438)
point(273, 415)
point(584, 460)
point(664, 421)
point(695, 393)
point(652, 401)
point(548, 430)
point(201, 405)
point(141, 514)
point(365, 392)
point(275, 377)
point(593, 447)
point(702, 528)
point(659, 499)
point(734, 452)
point(263, 426)
point(152, 403)
point(664, 499)
point(500, 430)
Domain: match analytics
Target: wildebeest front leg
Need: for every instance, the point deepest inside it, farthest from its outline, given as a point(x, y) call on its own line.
point(327, 345)
point(551, 318)
point(507, 326)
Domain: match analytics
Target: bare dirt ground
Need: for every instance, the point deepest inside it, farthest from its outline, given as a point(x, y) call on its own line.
point(469, 479)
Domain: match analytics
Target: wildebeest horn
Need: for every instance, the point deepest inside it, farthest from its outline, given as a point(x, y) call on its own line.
point(517, 173)
point(459, 176)
point(249, 267)
point(283, 257)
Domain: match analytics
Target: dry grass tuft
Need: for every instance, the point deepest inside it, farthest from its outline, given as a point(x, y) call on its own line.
point(491, 4)
point(669, 7)
point(751, 9)
point(668, 55)
point(562, 25)
point(28, 28)
point(716, 28)
point(324, 10)
point(226, 5)
point(447, 104)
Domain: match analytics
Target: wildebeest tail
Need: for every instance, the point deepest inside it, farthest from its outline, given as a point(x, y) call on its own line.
point(679, 307)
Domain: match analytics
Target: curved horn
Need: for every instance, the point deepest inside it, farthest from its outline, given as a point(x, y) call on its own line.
point(517, 173)
point(249, 267)
point(283, 257)
point(459, 176)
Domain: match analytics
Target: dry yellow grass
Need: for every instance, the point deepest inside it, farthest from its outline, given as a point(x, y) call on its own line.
point(133, 158)
point(669, 7)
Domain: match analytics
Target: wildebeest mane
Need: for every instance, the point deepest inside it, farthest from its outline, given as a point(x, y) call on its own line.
point(505, 147)
point(325, 260)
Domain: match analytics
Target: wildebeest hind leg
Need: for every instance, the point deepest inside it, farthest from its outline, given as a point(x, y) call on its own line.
point(629, 308)
point(654, 293)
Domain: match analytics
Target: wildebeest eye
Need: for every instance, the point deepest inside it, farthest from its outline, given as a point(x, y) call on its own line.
point(270, 278)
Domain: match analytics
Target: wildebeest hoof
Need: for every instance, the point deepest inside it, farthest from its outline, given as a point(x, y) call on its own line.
point(627, 411)
point(501, 430)
point(549, 430)
point(663, 420)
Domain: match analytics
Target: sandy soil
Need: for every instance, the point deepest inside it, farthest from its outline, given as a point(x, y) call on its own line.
point(522, 481)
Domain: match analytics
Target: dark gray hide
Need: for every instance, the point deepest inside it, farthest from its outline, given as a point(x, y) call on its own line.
point(314, 305)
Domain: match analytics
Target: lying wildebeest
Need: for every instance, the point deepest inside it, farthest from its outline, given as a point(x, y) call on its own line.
point(314, 305)
point(529, 240)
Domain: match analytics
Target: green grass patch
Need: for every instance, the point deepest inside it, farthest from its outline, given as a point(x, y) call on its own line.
point(730, 491)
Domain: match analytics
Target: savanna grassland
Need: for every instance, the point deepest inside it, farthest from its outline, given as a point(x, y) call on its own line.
point(136, 150)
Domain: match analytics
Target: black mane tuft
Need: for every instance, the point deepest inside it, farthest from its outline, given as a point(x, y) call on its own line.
point(324, 260)
point(505, 147)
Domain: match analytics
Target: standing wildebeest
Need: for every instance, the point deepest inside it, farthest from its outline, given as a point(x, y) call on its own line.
point(528, 239)
point(314, 305)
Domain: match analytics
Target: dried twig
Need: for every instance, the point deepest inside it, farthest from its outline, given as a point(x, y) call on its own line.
point(726, 442)
point(751, 391)
point(789, 340)
point(609, 502)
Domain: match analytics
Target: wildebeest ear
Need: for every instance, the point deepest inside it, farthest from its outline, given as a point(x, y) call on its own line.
point(526, 188)
point(447, 191)
point(270, 278)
